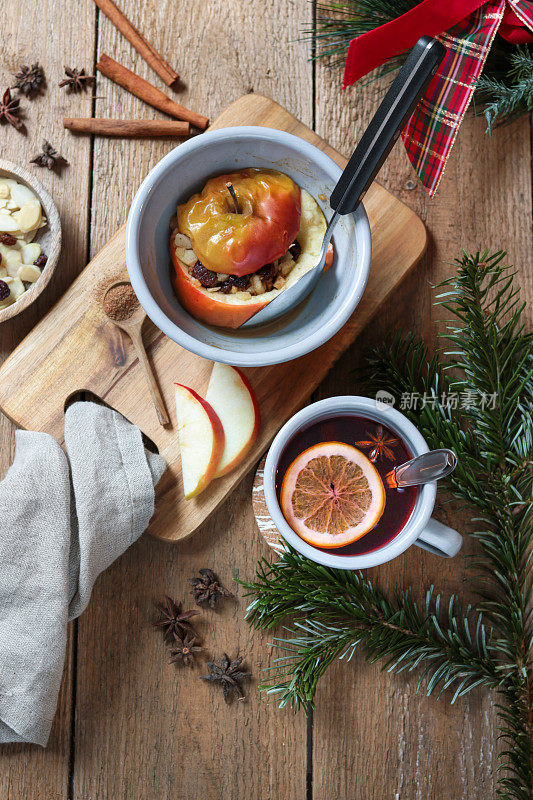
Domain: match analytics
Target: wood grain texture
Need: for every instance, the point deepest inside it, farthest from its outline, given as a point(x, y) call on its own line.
point(33, 773)
point(76, 347)
point(145, 729)
point(374, 739)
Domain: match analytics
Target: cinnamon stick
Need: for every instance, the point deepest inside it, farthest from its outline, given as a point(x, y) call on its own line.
point(127, 29)
point(145, 91)
point(127, 128)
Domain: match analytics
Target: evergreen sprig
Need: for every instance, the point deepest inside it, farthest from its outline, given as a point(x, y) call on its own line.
point(486, 364)
point(341, 610)
point(505, 87)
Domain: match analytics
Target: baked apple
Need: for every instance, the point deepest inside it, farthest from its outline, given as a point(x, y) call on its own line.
point(242, 221)
point(228, 300)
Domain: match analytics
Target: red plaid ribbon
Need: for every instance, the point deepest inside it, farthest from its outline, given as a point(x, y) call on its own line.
point(467, 29)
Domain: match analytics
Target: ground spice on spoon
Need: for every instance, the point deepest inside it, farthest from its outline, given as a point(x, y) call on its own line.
point(120, 302)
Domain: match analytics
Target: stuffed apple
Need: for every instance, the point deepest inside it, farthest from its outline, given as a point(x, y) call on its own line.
point(238, 243)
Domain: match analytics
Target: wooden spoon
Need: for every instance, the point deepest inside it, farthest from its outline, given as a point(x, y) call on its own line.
point(132, 325)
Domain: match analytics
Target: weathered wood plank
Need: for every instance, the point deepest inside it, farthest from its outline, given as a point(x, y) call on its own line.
point(163, 731)
point(25, 37)
point(373, 737)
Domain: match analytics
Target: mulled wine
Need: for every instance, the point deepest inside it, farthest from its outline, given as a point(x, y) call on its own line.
point(383, 447)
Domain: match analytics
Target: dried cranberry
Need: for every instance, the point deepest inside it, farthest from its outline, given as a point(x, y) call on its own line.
point(295, 250)
point(267, 273)
point(4, 290)
point(206, 277)
point(7, 239)
point(240, 281)
point(225, 287)
point(40, 261)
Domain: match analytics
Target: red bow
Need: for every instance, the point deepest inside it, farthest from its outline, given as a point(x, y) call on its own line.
point(429, 18)
point(467, 29)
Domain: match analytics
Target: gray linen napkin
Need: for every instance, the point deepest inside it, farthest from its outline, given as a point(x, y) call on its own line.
point(62, 522)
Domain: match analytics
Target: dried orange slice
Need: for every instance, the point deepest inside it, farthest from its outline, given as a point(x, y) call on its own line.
point(332, 495)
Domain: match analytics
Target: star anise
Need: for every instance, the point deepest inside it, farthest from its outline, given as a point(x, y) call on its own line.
point(49, 158)
point(10, 110)
point(77, 80)
point(184, 649)
point(173, 621)
point(381, 444)
point(29, 80)
point(228, 674)
point(207, 588)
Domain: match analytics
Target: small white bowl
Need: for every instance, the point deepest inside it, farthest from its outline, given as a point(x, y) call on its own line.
point(48, 238)
point(184, 171)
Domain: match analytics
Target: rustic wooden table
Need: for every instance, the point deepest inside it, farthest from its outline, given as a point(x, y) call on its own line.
point(128, 724)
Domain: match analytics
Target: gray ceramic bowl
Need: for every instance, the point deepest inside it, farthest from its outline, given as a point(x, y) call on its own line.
point(184, 171)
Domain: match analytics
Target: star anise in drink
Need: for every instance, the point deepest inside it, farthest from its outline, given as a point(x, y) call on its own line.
point(184, 650)
point(207, 588)
point(29, 80)
point(229, 675)
point(76, 80)
point(381, 445)
point(173, 621)
point(49, 158)
point(10, 110)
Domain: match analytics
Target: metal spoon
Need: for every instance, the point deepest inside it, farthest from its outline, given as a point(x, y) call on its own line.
point(133, 327)
point(366, 161)
point(426, 468)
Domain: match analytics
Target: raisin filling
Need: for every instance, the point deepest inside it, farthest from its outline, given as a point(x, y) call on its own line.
point(268, 276)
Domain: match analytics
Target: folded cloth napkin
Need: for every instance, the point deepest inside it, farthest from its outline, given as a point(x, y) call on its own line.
point(63, 520)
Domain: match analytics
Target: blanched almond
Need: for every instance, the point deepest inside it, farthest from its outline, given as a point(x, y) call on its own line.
point(17, 288)
point(29, 216)
point(7, 223)
point(187, 256)
point(21, 195)
point(180, 240)
point(256, 285)
point(279, 283)
point(4, 191)
point(286, 265)
point(12, 262)
point(30, 252)
point(29, 273)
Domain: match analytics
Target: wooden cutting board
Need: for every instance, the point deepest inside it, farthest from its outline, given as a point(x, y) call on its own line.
point(75, 348)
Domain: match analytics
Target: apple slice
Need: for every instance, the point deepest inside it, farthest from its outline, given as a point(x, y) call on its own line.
point(201, 438)
point(234, 402)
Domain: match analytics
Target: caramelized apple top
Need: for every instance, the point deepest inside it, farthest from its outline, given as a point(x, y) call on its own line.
point(238, 243)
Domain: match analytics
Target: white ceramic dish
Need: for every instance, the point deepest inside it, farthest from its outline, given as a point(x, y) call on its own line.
point(183, 172)
point(420, 529)
point(49, 238)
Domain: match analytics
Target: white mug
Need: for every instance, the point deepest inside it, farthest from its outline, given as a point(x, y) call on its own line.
point(420, 528)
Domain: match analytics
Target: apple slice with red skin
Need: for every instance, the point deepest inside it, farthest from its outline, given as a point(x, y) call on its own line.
point(224, 311)
point(232, 398)
point(201, 438)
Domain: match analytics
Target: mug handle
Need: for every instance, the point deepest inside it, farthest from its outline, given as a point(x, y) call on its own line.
point(440, 540)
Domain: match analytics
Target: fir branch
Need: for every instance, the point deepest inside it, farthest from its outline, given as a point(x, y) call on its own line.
point(508, 97)
point(486, 353)
point(339, 610)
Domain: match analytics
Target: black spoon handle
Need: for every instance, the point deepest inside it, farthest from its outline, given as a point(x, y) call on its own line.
point(387, 124)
